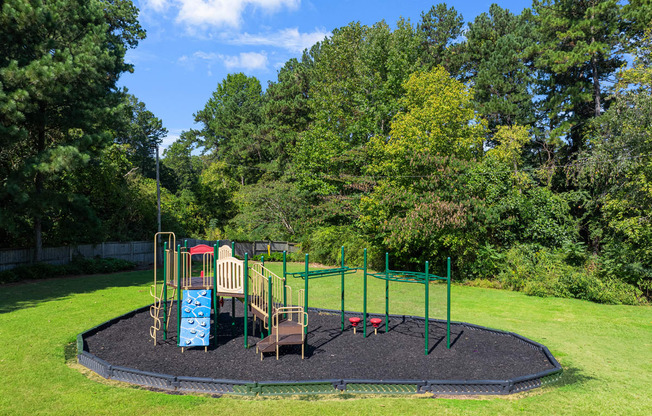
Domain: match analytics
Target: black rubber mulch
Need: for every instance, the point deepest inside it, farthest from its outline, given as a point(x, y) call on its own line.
point(330, 353)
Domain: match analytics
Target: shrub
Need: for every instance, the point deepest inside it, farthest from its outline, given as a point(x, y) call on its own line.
point(542, 272)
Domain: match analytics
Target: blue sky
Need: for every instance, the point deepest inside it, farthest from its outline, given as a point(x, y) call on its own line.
point(192, 45)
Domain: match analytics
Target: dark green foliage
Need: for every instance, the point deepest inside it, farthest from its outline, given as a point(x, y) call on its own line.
point(576, 52)
point(142, 131)
point(439, 29)
point(59, 64)
point(267, 211)
point(495, 64)
point(231, 120)
point(78, 266)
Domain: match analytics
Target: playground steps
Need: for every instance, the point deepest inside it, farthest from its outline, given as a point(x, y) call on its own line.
point(260, 315)
point(286, 333)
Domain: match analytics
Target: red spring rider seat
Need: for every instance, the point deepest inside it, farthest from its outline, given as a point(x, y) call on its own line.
point(376, 323)
point(354, 322)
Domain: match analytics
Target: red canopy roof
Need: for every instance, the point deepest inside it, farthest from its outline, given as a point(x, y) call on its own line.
point(201, 249)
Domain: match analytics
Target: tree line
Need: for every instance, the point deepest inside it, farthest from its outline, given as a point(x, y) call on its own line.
point(516, 143)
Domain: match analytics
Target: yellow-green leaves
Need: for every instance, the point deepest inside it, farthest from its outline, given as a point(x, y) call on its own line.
point(437, 122)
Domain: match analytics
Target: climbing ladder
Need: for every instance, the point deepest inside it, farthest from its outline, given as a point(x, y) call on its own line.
point(269, 299)
point(159, 289)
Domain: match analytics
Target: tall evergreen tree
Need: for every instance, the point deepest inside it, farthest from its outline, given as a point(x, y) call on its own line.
point(59, 64)
point(142, 131)
point(231, 121)
point(438, 30)
point(576, 52)
point(495, 65)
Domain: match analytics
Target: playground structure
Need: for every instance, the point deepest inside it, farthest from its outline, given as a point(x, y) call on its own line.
point(388, 275)
point(222, 275)
point(282, 317)
point(510, 363)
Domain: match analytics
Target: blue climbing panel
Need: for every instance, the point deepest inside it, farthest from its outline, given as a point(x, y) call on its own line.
point(195, 332)
point(195, 318)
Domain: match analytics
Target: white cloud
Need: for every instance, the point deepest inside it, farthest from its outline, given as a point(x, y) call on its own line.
point(157, 5)
point(290, 39)
point(217, 13)
point(249, 61)
point(173, 136)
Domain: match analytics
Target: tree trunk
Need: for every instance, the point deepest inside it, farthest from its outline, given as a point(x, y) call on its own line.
point(38, 187)
point(596, 81)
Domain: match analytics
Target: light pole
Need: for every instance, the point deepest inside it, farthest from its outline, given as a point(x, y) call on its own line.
point(158, 192)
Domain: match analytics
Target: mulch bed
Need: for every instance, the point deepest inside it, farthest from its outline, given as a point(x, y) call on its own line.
point(330, 353)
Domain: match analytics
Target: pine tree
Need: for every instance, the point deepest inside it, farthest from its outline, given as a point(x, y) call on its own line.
point(497, 68)
point(59, 64)
point(575, 54)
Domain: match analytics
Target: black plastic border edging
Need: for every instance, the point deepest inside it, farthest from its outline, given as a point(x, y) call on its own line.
point(329, 386)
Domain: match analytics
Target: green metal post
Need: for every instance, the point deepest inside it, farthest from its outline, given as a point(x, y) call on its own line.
point(386, 291)
point(185, 243)
point(285, 270)
point(262, 260)
point(305, 293)
point(165, 291)
point(364, 297)
point(427, 283)
point(232, 315)
point(246, 299)
point(342, 290)
point(178, 293)
point(216, 301)
point(270, 305)
point(233, 249)
point(448, 303)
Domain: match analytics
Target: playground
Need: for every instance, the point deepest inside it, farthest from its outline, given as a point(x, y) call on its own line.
point(206, 322)
point(475, 354)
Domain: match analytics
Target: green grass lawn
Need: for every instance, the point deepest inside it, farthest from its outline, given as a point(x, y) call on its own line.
point(606, 351)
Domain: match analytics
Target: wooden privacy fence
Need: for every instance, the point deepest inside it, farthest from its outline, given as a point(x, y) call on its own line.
point(140, 252)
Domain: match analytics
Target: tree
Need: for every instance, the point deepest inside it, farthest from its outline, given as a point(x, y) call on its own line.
point(439, 28)
point(617, 176)
point(269, 210)
point(438, 123)
point(421, 206)
point(231, 120)
point(59, 64)
point(357, 81)
point(286, 109)
point(142, 131)
point(640, 73)
point(215, 193)
point(575, 54)
point(183, 167)
point(496, 67)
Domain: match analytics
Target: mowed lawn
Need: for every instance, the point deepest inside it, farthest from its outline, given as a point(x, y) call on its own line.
point(606, 351)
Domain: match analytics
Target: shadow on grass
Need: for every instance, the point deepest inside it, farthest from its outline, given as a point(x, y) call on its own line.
point(29, 294)
point(572, 376)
